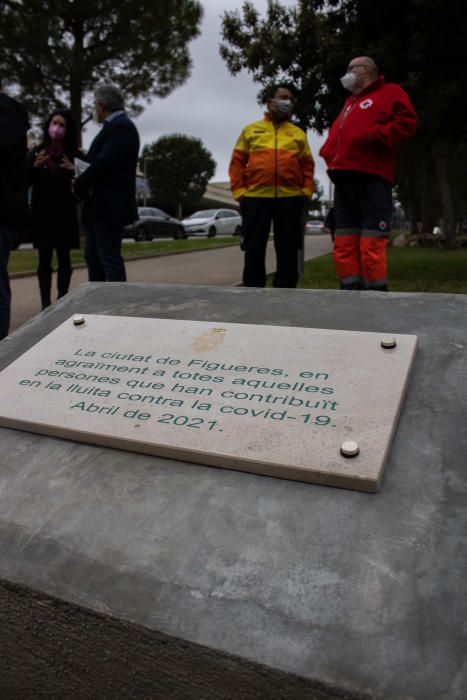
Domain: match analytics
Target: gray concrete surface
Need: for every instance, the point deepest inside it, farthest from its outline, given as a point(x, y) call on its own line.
point(242, 586)
point(219, 266)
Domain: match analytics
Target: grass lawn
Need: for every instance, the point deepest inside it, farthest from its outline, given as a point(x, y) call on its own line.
point(409, 270)
point(26, 260)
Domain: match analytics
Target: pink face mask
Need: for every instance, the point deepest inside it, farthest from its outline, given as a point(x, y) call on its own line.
point(56, 132)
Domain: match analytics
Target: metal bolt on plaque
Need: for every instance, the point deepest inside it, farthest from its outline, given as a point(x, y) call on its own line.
point(350, 448)
point(78, 319)
point(388, 341)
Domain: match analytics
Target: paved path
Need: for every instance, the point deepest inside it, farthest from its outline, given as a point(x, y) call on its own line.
point(216, 267)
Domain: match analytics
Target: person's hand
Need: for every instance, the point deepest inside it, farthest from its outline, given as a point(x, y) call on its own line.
point(41, 159)
point(67, 164)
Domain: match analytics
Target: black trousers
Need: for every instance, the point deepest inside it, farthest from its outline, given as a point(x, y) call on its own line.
point(362, 201)
point(285, 214)
point(5, 291)
point(44, 272)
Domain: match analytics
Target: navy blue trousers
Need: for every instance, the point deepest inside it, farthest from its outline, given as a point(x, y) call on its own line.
point(102, 252)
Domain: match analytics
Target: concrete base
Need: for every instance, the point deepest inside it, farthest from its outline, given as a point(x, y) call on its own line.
point(123, 575)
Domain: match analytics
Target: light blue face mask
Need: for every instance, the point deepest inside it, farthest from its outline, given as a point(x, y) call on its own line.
point(283, 108)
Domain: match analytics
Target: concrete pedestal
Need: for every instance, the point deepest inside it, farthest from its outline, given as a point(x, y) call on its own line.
point(129, 576)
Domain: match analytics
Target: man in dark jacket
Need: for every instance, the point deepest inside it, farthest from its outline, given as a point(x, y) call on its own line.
point(360, 153)
point(108, 187)
point(13, 192)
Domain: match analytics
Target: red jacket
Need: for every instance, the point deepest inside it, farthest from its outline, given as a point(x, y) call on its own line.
point(367, 132)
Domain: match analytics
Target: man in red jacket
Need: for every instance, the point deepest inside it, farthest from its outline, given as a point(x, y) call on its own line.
point(360, 153)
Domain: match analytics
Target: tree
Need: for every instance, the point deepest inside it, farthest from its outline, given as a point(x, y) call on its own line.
point(178, 169)
point(55, 51)
point(285, 45)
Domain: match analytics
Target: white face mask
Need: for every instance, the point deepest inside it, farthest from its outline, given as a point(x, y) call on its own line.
point(348, 81)
point(284, 107)
point(281, 108)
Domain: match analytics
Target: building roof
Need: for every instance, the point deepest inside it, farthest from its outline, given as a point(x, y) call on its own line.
point(217, 195)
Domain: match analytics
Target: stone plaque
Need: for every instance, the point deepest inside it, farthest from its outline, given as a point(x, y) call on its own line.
point(300, 403)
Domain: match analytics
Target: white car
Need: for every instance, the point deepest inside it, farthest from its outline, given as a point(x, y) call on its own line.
point(210, 222)
point(315, 226)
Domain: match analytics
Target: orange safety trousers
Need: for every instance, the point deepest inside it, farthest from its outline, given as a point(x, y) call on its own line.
point(362, 212)
point(360, 258)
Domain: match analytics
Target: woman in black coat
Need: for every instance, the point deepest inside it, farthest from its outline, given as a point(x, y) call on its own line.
point(54, 220)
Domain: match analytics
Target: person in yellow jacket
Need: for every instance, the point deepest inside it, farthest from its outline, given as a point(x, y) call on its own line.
point(271, 175)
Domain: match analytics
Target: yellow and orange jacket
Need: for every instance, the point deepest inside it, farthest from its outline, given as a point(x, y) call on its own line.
point(271, 161)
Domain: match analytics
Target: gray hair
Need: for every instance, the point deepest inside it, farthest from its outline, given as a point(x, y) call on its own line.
point(109, 96)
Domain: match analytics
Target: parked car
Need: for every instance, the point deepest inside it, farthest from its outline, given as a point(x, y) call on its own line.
point(315, 226)
point(210, 222)
point(154, 223)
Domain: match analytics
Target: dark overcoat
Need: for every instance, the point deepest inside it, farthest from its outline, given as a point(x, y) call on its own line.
point(108, 186)
point(13, 169)
point(54, 215)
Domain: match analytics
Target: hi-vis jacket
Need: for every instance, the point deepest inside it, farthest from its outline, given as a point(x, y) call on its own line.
point(366, 134)
point(271, 161)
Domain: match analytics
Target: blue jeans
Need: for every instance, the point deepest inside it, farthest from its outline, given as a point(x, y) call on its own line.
point(102, 252)
point(5, 292)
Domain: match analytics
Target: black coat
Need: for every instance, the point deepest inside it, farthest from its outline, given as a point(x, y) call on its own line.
point(54, 215)
point(108, 186)
point(13, 169)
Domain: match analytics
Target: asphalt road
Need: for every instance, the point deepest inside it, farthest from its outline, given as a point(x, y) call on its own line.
point(216, 267)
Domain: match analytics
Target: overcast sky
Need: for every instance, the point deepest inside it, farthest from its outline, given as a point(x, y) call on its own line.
point(212, 105)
